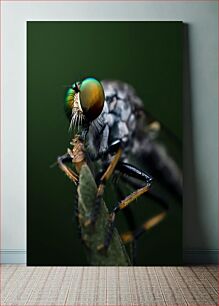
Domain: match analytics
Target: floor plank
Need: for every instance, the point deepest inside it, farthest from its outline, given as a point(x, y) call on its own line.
point(21, 285)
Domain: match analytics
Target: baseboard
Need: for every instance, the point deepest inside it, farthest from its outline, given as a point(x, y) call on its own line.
point(13, 256)
point(200, 257)
point(194, 257)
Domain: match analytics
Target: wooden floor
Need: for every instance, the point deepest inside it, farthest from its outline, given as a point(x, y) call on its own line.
point(79, 286)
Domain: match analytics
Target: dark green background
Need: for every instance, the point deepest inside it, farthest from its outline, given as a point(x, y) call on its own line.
point(147, 55)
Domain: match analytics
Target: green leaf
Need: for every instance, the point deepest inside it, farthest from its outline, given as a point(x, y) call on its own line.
point(93, 236)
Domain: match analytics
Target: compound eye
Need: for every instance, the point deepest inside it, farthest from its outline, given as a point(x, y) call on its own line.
point(69, 102)
point(91, 98)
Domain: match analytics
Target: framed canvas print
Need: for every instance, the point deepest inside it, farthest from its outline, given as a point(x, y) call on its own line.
point(104, 143)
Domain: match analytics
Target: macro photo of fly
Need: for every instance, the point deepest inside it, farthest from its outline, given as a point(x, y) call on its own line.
point(108, 126)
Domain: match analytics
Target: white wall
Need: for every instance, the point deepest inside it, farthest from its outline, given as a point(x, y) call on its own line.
point(200, 115)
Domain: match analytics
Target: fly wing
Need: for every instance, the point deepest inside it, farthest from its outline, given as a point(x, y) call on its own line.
point(152, 150)
point(160, 164)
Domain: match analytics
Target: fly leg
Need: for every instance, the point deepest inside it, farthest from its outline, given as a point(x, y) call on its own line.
point(135, 232)
point(102, 182)
point(130, 236)
point(131, 224)
point(151, 194)
point(61, 161)
point(135, 173)
point(133, 235)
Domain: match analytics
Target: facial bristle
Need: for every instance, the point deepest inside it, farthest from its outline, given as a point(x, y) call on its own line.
point(76, 121)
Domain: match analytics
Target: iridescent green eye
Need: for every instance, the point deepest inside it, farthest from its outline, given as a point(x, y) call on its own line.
point(91, 98)
point(69, 102)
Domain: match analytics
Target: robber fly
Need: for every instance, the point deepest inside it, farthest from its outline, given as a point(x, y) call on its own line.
point(109, 123)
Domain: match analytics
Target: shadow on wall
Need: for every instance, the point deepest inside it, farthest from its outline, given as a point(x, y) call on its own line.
point(192, 225)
